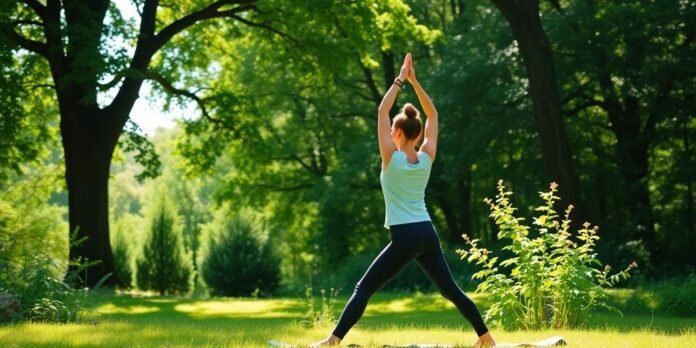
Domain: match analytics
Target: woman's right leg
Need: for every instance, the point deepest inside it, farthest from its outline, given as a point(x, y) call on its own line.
point(387, 264)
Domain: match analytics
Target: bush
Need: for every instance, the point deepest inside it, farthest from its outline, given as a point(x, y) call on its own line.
point(29, 224)
point(34, 248)
point(44, 295)
point(122, 249)
point(551, 280)
point(164, 265)
point(237, 258)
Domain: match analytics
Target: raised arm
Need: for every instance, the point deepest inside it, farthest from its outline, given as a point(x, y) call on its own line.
point(386, 144)
point(430, 142)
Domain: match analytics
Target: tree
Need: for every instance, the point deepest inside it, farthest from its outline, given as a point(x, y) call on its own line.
point(303, 147)
point(535, 49)
point(164, 265)
point(631, 62)
point(73, 37)
point(238, 257)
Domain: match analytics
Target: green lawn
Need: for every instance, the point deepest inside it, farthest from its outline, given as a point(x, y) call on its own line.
point(147, 322)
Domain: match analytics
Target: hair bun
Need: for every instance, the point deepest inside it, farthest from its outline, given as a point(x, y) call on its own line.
point(410, 111)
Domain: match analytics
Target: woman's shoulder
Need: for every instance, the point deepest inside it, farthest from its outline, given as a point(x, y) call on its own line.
point(424, 156)
point(396, 159)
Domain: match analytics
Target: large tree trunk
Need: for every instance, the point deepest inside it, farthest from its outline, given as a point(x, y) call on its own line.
point(454, 200)
point(89, 138)
point(72, 38)
point(534, 46)
point(690, 232)
point(633, 156)
point(632, 148)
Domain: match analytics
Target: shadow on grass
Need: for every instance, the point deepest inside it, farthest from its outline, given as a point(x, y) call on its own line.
point(124, 307)
point(123, 320)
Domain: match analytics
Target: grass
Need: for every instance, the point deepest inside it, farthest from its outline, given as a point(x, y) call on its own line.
point(124, 321)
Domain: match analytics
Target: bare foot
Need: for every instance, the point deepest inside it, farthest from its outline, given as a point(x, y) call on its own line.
point(485, 341)
point(330, 341)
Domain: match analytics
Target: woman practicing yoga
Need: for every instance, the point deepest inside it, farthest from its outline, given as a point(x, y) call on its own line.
point(405, 174)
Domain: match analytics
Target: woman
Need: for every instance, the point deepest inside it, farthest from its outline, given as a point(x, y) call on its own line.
point(405, 174)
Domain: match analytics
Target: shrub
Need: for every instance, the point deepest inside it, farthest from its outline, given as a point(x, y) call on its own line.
point(551, 280)
point(237, 258)
point(44, 295)
point(164, 265)
point(122, 249)
point(34, 250)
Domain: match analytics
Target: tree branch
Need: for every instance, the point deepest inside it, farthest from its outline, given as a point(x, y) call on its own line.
point(282, 189)
point(368, 186)
point(169, 87)
point(54, 43)
point(369, 79)
point(291, 156)
point(264, 26)
point(26, 22)
point(149, 43)
point(117, 78)
point(38, 8)
point(147, 21)
point(137, 7)
point(207, 13)
point(37, 47)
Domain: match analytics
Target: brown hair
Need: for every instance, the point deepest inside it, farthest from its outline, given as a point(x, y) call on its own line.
point(408, 121)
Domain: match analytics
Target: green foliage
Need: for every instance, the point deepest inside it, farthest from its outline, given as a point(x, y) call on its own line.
point(319, 315)
point(134, 141)
point(27, 222)
point(122, 247)
point(45, 292)
point(551, 279)
point(237, 258)
point(28, 114)
point(294, 131)
point(164, 265)
point(673, 297)
point(625, 71)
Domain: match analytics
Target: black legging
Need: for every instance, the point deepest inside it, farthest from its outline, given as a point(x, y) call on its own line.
point(417, 240)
